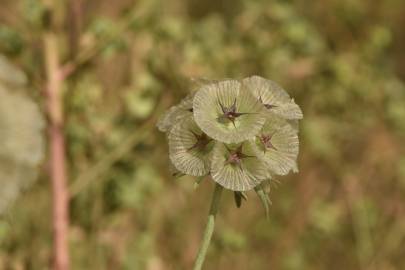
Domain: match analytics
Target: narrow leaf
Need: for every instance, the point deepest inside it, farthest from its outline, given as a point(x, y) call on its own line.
point(238, 198)
point(264, 198)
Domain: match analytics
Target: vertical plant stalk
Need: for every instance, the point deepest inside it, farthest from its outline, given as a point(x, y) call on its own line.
point(75, 21)
point(57, 161)
point(209, 229)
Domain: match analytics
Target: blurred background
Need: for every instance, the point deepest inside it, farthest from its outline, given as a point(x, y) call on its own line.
point(127, 61)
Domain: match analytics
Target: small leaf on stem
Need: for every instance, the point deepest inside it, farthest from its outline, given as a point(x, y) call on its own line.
point(264, 198)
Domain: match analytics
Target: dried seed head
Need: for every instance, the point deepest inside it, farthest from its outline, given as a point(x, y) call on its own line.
point(227, 113)
point(277, 145)
point(236, 167)
point(241, 133)
point(274, 98)
point(190, 148)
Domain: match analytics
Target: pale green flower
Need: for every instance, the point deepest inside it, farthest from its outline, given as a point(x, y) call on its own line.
point(274, 98)
point(184, 109)
point(277, 144)
point(226, 112)
point(237, 167)
point(253, 125)
point(190, 148)
point(176, 113)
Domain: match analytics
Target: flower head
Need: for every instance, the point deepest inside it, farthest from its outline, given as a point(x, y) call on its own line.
point(237, 166)
point(190, 148)
point(241, 133)
point(277, 144)
point(274, 98)
point(226, 112)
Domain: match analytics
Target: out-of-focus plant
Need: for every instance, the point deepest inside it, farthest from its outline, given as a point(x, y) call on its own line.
point(21, 140)
point(236, 132)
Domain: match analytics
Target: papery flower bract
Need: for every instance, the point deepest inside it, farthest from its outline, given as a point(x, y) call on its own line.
point(294, 123)
point(190, 148)
point(185, 108)
point(277, 144)
point(226, 112)
point(236, 166)
point(273, 97)
point(176, 113)
point(241, 133)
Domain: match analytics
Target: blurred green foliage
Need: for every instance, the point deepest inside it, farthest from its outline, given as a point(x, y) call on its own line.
point(343, 62)
point(21, 138)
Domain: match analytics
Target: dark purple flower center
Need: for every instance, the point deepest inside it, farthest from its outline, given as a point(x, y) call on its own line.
point(266, 141)
point(235, 156)
point(230, 112)
point(267, 105)
point(202, 141)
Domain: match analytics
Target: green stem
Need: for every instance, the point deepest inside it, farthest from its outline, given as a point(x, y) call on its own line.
point(209, 229)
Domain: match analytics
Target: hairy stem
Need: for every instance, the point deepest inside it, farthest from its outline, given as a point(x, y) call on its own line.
point(209, 229)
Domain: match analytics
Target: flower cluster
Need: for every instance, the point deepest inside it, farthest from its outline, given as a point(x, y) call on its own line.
point(240, 132)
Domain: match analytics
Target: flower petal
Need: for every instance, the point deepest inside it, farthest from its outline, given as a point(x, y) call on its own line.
point(273, 96)
point(237, 177)
point(212, 98)
point(184, 156)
